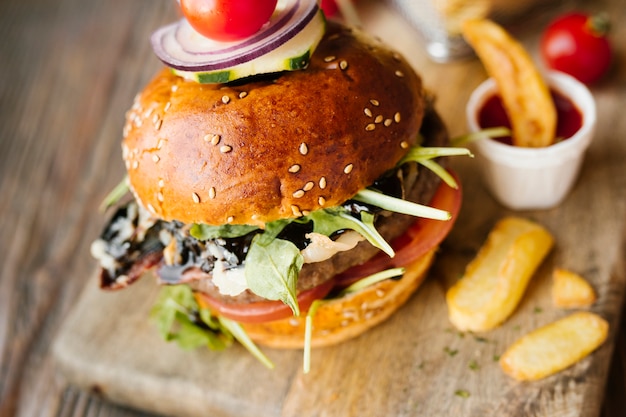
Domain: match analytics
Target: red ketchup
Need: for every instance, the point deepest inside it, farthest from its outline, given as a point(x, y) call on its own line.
point(569, 117)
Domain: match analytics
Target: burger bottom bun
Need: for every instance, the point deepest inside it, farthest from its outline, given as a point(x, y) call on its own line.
point(344, 318)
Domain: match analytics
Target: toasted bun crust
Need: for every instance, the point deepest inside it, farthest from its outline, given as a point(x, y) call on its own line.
point(347, 317)
point(272, 148)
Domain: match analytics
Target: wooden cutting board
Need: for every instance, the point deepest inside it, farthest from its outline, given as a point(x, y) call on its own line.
point(415, 363)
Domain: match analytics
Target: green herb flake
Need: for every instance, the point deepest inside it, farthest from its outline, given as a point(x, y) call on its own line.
point(537, 310)
point(496, 358)
point(473, 365)
point(450, 352)
point(462, 393)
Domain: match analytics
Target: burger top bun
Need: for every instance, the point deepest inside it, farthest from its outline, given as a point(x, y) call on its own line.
point(279, 146)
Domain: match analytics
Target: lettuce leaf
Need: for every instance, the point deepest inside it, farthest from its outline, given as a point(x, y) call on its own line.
point(206, 232)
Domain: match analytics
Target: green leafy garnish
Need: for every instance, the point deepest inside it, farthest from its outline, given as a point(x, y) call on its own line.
point(462, 393)
point(179, 318)
point(492, 132)
point(399, 205)
point(272, 269)
point(426, 156)
point(206, 232)
point(315, 305)
point(115, 195)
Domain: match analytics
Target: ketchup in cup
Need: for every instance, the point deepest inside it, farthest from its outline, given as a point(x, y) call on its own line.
point(524, 178)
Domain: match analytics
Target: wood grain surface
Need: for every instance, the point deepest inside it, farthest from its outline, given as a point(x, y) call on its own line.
point(69, 72)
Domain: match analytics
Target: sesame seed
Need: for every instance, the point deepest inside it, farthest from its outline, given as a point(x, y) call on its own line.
point(160, 196)
point(308, 186)
point(330, 58)
point(160, 144)
point(379, 118)
point(396, 117)
point(225, 99)
point(404, 144)
point(321, 201)
point(195, 197)
point(151, 208)
point(322, 183)
point(230, 219)
point(243, 94)
point(304, 149)
point(305, 212)
point(161, 183)
point(343, 65)
point(399, 74)
point(375, 102)
point(212, 193)
point(370, 127)
point(167, 106)
point(125, 151)
point(396, 56)
point(174, 88)
point(135, 164)
point(296, 210)
point(387, 122)
point(225, 149)
point(298, 194)
point(155, 118)
point(213, 138)
point(294, 168)
point(348, 168)
point(367, 112)
point(156, 158)
point(127, 164)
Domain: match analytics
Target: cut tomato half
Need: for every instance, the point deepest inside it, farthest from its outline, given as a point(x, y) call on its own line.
point(419, 239)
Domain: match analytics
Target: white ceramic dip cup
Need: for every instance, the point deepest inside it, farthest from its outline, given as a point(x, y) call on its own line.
point(533, 178)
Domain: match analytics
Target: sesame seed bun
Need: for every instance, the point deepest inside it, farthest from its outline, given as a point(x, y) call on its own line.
point(274, 147)
point(340, 319)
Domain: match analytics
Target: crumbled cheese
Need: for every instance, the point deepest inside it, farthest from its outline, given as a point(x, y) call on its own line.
point(229, 281)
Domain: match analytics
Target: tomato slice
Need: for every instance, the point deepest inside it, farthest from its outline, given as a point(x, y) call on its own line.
point(264, 311)
point(420, 238)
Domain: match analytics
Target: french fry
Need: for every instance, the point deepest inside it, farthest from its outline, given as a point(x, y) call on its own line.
point(554, 347)
point(525, 95)
point(496, 279)
point(570, 290)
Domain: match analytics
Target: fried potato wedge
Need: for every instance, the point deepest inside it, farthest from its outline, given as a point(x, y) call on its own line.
point(554, 347)
point(496, 279)
point(525, 95)
point(570, 290)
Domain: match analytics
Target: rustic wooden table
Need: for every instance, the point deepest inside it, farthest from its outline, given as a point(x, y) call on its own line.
point(70, 69)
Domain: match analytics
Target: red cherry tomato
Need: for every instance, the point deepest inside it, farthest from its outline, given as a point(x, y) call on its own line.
point(421, 237)
point(577, 44)
point(329, 7)
point(227, 20)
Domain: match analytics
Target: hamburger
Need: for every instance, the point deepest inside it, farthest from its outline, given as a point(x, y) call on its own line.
point(269, 202)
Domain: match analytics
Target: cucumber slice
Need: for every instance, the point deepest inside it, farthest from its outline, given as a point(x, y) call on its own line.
point(290, 56)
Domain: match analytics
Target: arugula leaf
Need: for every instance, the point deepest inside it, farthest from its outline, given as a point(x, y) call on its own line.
point(492, 132)
point(315, 305)
point(242, 337)
point(331, 220)
point(425, 156)
point(206, 232)
point(179, 318)
point(272, 269)
point(116, 194)
point(399, 205)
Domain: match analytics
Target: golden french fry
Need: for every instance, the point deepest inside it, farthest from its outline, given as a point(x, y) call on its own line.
point(554, 347)
point(570, 290)
point(495, 280)
point(525, 95)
